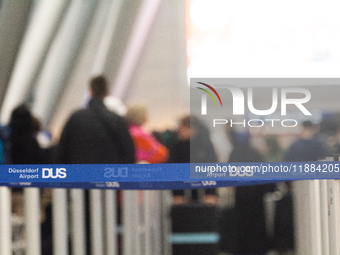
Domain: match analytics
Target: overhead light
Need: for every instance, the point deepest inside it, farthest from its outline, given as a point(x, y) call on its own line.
point(210, 15)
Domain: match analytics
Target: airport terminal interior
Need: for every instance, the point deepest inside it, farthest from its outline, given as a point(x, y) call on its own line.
point(148, 53)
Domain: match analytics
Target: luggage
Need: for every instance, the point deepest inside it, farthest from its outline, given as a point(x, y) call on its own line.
point(194, 229)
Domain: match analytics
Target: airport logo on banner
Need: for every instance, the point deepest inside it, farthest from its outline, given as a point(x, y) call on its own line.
point(54, 173)
point(113, 172)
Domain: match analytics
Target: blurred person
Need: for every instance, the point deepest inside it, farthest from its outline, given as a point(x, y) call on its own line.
point(24, 147)
point(307, 147)
point(95, 135)
point(335, 141)
point(192, 132)
point(4, 144)
point(243, 228)
point(274, 150)
point(242, 150)
point(147, 148)
point(167, 137)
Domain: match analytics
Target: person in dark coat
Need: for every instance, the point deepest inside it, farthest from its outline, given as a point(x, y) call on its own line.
point(24, 148)
point(307, 147)
point(192, 133)
point(248, 234)
point(96, 135)
point(193, 145)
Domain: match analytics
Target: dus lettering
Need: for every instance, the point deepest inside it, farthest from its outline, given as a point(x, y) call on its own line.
point(113, 172)
point(112, 184)
point(208, 183)
point(237, 171)
point(49, 173)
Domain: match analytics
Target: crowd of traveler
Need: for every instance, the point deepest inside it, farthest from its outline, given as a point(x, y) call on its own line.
point(96, 134)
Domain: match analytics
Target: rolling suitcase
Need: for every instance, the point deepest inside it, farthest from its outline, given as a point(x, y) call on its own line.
point(194, 229)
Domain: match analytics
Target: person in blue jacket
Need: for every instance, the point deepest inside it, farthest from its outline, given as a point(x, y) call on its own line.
point(308, 147)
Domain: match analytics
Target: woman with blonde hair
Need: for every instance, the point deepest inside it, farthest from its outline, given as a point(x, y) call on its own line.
point(147, 148)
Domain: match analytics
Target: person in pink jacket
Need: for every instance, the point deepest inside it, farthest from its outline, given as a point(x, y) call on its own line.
point(147, 148)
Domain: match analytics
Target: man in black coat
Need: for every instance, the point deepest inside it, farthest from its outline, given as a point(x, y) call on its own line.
point(96, 135)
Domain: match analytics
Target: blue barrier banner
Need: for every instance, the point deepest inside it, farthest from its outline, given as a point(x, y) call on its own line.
point(163, 176)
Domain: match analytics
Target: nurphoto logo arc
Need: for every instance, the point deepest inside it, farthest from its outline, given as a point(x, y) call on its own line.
point(209, 93)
